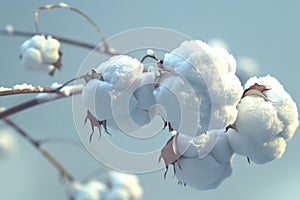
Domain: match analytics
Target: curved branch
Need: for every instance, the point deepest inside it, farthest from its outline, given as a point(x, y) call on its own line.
point(38, 147)
point(65, 6)
point(61, 39)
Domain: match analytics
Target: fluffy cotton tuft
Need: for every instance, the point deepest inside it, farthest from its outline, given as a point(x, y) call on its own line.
point(122, 93)
point(263, 126)
point(93, 190)
point(124, 187)
point(207, 161)
point(211, 73)
point(41, 53)
point(119, 186)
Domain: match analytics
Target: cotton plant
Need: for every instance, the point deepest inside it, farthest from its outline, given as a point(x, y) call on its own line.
point(199, 86)
point(41, 53)
point(201, 80)
point(118, 186)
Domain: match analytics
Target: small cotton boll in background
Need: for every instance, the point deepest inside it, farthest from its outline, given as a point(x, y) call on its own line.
point(118, 194)
point(218, 42)
point(9, 28)
point(41, 53)
point(124, 185)
point(92, 190)
point(246, 68)
point(263, 126)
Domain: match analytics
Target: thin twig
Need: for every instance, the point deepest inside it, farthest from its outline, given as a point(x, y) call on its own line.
point(30, 90)
point(26, 91)
point(34, 102)
point(65, 6)
point(38, 147)
point(61, 39)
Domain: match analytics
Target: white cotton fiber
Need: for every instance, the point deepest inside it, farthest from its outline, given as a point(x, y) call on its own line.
point(211, 73)
point(179, 102)
point(118, 194)
point(93, 190)
point(207, 162)
point(40, 53)
point(124, 185)
point(32, 59)
point(122, 96)
point(263, 126)
point(121, 71)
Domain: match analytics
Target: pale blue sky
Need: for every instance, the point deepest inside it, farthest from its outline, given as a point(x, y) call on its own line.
point(265, 30)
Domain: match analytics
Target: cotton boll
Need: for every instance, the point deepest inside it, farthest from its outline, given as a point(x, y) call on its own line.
point(118, 194)
point(211, 73)
point(283, 103)
point(202, 174)
point(207, 160)
point(126, 182)
point(41, 53)
point(120, 95)
point(92, 190)
point(265, 121)
point(121, 71)
point(111, 96)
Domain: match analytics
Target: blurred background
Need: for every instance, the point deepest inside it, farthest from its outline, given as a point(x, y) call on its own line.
point(266, 31)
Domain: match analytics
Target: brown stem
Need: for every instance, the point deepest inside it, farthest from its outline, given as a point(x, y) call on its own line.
point(38, 147)
point(38, 89)
point(65, 6)
point(34, 102)
point(26, 91)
